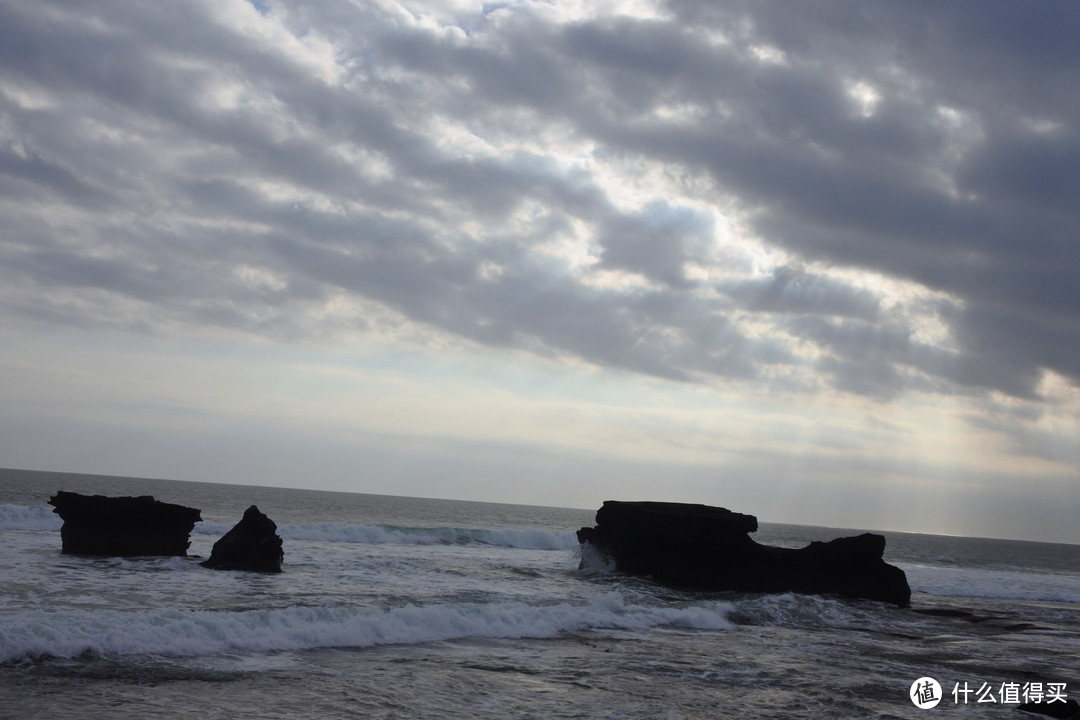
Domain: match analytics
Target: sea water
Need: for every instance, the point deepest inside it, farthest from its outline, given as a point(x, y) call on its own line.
point(394, 607)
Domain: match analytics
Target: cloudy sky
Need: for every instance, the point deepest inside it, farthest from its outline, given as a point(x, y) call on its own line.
point(812, 261)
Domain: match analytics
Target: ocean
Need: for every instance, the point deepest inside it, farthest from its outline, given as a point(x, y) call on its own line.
point(392, 607)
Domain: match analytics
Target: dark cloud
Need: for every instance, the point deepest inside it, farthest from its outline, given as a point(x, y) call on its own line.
point(794, 291)
point(24, 174)
point(160, 163)
point(656, 242)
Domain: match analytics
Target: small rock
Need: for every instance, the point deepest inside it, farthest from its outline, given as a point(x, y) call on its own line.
point(253, 544)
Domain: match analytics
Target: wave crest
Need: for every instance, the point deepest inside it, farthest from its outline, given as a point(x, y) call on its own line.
point(998, 584)
point(42, 518)
point(519, 538)
point(29, 517)
point(67, 634)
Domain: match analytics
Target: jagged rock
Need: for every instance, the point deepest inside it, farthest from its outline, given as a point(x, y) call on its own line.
point(123, 526)
point(709, 548)
point(252, 544)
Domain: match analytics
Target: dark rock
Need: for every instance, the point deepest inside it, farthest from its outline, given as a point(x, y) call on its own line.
point(123, 526)
point(1067, 710)
point(252, 544)
point(709, 548)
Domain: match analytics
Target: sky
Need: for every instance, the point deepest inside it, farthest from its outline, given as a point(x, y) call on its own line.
point(815, 262)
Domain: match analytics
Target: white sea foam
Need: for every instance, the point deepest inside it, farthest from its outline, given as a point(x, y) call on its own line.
point(209, 528)
point(985, 583)
point(172, 632)
point(595, 563)
point(521, 538)
point(29, 517)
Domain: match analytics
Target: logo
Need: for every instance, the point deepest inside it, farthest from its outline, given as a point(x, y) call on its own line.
point(925, 693)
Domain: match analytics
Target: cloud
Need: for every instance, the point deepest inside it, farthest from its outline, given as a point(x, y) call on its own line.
point(796, 292)
point(657, 242)
point(880, 196)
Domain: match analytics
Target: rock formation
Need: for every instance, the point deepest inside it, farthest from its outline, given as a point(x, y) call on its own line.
point(709, 548)
point(252, 544)
point(123, 526)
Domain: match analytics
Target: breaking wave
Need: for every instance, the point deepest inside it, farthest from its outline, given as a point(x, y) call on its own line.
point(1004, 584)
point(77, 633)
point(29, 517)
point(520, 538)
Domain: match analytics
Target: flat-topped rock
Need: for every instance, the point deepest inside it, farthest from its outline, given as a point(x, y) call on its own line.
point(123, 526)
point(674, 519)
point(709, 548)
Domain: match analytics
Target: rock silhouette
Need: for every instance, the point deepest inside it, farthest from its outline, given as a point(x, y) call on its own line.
point(709, 548)
point(123, 526)
point(252, 544)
